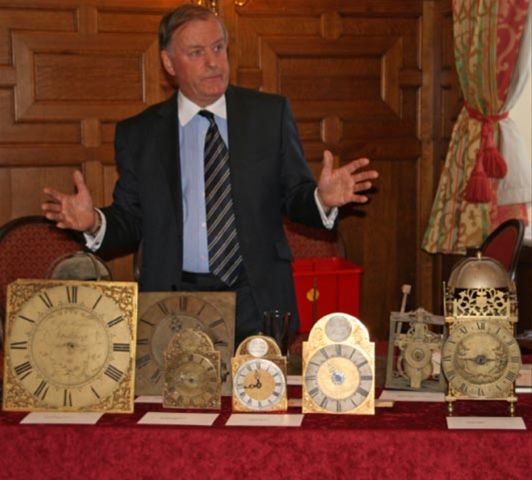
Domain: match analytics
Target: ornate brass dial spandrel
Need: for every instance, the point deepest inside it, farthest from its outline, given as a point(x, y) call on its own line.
point(481, 302)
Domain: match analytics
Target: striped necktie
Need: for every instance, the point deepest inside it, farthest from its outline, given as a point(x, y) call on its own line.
point(224, 250)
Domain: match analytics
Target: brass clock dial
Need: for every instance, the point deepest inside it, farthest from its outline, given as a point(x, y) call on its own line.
point(338, 367)
point(259, 384)
point(163, 314)
point(192, 381)
point(259, 376)
point(339, 378)
point(481, 360)
point(70, 346)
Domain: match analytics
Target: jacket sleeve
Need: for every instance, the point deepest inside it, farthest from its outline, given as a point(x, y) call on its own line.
point(124, 215)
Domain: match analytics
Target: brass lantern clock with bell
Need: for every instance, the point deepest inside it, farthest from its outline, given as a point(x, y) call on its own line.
point(480, 357)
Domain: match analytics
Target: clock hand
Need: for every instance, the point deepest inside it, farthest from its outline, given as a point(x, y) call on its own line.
point(480, 360)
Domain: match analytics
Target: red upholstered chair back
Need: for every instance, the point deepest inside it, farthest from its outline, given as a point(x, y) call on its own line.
point(307, 242)
point(28, 247)
point(504, 244)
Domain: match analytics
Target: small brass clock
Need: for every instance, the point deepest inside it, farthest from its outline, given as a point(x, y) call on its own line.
point(339, 367)
point(163, 314)
point(70, 346)
point(192, 372)
point(259, 376)
point(480, 357)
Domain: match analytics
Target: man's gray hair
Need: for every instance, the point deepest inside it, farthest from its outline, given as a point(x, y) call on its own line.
point(182, 15)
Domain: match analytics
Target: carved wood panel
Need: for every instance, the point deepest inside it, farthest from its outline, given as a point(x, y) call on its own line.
point(353, 72)
point(365, 78)
point(68, 72)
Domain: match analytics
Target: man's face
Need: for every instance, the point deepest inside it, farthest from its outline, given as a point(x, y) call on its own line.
point(197, 58)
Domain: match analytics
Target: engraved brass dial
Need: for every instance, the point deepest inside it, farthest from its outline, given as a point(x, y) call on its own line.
point(70, 346)
point(192, 381)
point(481, 359)
point(169, 314)
point(338, 378)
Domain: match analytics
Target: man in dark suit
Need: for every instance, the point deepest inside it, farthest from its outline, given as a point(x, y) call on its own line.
point(160, 197)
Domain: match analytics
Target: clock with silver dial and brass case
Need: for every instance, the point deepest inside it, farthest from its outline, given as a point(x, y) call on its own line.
point(339, 367)
point(163, 314)
point(70, 346)
point(481, 358)
point(192, 372)
point(259, 376)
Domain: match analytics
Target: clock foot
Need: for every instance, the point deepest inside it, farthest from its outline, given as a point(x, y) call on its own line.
point(512, 409)
point(450, 408)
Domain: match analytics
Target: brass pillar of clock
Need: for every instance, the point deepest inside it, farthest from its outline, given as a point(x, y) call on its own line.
point(192, 372)
point(70, 346)
point(480, 357)
point(339, 367)
point(259, 376)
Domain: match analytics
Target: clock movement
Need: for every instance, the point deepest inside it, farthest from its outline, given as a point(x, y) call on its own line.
point(414, 351)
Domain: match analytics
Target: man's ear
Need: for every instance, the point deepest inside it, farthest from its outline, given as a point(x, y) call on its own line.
point(167, 63)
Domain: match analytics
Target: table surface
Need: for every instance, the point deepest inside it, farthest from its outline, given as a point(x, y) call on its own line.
point(409, 440)
point(405, 441)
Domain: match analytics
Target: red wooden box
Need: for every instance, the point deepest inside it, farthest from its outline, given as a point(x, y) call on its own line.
point(325, 285)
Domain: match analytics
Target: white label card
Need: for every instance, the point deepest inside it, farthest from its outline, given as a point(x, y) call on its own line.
point(294, 380)
point(408, 396)
point(524, 378)
point(149, 399)
point(486, 423)
point(264, 420)
point(66, 418)
point(175, 418)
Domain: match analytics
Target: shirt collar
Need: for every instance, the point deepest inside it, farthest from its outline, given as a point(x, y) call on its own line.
point(187, 109)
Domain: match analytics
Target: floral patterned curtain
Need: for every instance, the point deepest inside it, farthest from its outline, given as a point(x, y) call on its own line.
point(488, 38)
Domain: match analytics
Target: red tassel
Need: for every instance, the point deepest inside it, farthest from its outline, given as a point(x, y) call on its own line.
point(492, 161)
point(478, 186)
point(494, 164)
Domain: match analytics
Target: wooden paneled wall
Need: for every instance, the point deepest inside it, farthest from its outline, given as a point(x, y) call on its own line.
point(365, 78)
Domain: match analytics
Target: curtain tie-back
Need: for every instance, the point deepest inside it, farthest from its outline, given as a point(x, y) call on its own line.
point(489, 161)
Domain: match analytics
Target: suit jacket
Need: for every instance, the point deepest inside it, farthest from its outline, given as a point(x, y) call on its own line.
point(269, 178)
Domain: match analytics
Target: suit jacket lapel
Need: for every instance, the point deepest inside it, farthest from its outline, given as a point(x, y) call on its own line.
point(236, 124)
point(167, 138)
